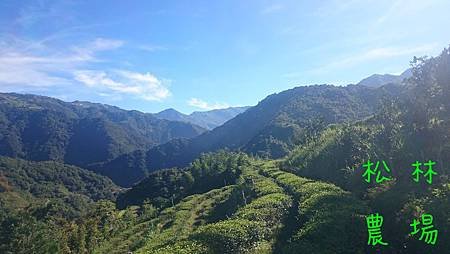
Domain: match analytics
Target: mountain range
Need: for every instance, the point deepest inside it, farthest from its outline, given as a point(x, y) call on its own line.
point(80, 133)
point(271, 129)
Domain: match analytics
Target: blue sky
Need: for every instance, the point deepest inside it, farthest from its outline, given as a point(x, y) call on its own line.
point(199, 55)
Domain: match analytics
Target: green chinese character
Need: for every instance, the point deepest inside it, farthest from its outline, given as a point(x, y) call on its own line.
point(369, 172)
point(428, 231)
point(374, 223)
point(417, 171)
point(428, 174)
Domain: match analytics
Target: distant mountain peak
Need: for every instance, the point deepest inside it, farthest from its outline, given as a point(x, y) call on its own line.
point(378, 80)
point(206, 119)
point(169, 110)
point(172, 115)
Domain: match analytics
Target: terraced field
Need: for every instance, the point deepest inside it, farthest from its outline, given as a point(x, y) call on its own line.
point(252, 216)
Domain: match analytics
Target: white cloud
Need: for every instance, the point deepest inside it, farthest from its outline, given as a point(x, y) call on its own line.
point(198, 103)
point(142, 85)
point(32, 64)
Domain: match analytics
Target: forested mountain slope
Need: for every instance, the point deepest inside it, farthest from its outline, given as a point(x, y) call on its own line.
point(79, 133)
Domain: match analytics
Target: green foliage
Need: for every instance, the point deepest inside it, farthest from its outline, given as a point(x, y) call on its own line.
point(183, 247)
point(436, 204)
point(148, 211)
point(22, 233)
point(252, 225)
point(246, 216)
point(231, 236)
point(26, 232)
point(65, 190)
point(48, 207)
point(337, 153)
point(330, 219)
point(176, 223)
point(268, 209)
point(162, 188)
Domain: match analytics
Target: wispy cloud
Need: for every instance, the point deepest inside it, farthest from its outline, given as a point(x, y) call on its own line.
point(87, 53)
point(198, 103)
point(337, 7)
point(364, 57)
point(271, 9)
point(142, 85)
point(386, 52)
point(404, 8)
point(46, 13)
point(377, 54)
point(152, 48)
